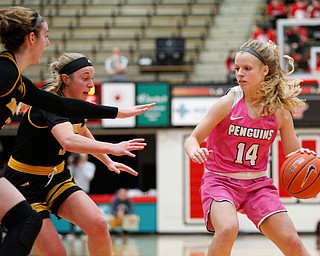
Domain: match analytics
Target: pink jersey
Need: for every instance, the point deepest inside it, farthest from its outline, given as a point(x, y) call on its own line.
point(240, 143)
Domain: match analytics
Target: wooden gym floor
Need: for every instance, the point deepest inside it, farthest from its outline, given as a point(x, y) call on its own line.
point(182, 245)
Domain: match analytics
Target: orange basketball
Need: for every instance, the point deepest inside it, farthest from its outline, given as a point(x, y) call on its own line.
point(300, 175)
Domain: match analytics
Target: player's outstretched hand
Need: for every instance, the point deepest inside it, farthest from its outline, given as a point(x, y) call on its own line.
point(124, 147)
point(118, 167)
point(134, 111)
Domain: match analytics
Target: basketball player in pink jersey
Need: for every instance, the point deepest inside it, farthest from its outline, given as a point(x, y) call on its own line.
point(240, 128)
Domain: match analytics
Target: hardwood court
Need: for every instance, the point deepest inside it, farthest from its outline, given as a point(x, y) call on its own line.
point(182, 245)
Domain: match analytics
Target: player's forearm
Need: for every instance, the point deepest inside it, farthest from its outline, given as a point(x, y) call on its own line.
point(191, 145)
point(104, 158)
point(65, 106)
point(83, 145)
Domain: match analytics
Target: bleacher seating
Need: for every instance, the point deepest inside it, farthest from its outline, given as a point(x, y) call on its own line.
point(93, 27)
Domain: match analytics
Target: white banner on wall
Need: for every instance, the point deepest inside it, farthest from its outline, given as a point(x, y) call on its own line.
point(118, 95)
point(188, 111)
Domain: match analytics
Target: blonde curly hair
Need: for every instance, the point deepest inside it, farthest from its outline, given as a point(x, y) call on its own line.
point(276, 91)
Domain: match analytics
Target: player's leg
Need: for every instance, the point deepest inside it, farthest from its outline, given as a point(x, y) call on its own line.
point(79, 209)
point(223, 217)
point(48, 241)
point(281, 231)
point(22, 222)
point(10, 196)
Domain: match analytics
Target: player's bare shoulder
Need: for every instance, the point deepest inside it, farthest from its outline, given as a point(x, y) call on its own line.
point(227, 100)
point(283, 116)
point(222, 106)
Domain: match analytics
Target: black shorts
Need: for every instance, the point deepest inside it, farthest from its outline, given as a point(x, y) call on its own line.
point(45, 197)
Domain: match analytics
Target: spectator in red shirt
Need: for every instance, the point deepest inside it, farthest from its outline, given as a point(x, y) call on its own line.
point(314, 9)
point(301, 63)
point(318, 63)
point(297, 40)
point(297, 46)
point(276, 9)
point(299, 9)
point(230, 66)
point(264, 34)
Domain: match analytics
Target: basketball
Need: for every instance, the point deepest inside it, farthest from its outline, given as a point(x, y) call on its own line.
point(300, 175)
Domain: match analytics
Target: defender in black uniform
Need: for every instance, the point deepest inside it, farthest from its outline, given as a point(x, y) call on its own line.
point(37, 165)
point(24, 35)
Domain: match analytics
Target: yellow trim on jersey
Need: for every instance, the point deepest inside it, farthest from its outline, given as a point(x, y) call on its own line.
point(40, 207)
point(34, 169)
point(10, 57)
point(61, 152)
point(12, 106)
point(29, 119)
point(58, 189)
point(76, 128)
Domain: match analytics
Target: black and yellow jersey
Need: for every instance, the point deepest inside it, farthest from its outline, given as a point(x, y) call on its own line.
point(37, 165)
point(35, 147)
point(14, 87)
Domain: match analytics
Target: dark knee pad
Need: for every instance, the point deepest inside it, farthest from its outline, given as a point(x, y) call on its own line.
point(23, 224)
point(30, 229)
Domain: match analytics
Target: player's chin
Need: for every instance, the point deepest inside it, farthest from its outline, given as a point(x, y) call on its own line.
point(242, 83)
point(84, 96)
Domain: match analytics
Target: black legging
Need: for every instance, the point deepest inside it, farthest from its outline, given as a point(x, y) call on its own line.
point(23, 224)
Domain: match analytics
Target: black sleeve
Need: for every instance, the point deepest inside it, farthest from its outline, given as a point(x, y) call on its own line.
point(50, 119)
point(65, 106)
point(9, 74)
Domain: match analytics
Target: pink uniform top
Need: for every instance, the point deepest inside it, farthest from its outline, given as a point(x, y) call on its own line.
point(240, 143)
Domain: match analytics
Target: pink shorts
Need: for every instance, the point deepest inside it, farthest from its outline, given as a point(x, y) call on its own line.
point(257, 198)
